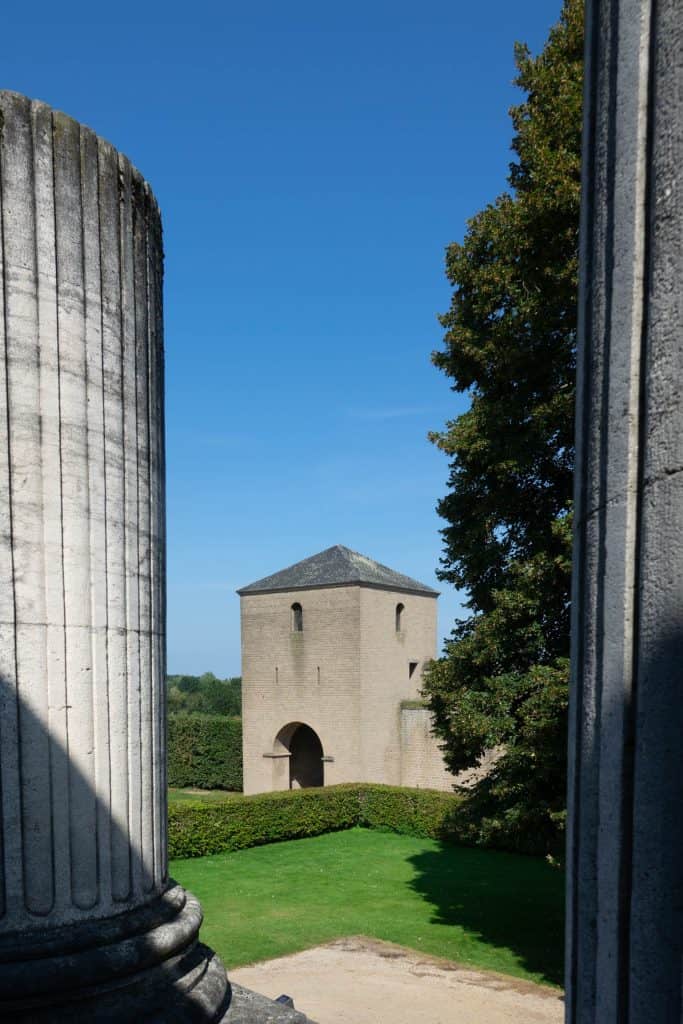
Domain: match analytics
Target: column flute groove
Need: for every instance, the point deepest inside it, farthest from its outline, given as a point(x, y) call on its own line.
point(40, 461)
point(11, 868)
point(105, 787)
point(625, 911)
point(89, 922)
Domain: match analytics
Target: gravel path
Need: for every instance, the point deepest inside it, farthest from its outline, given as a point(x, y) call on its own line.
point(363, 981)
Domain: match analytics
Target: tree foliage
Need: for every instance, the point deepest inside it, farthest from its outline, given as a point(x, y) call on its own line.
point(509, 344)
point(205, 694)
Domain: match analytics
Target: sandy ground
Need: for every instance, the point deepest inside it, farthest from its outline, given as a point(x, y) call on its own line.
point(363, 981)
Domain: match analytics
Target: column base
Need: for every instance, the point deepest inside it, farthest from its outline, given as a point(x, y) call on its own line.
point(143, 966)
point(247, 1007)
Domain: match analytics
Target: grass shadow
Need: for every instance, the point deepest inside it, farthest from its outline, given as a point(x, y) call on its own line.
point(507, 900)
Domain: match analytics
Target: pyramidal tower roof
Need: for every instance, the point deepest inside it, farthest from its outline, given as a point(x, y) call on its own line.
point(338, 567)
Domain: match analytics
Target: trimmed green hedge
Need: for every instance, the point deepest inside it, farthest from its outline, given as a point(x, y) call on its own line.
point(415, 812)
point(205, 751)
point(197, 829)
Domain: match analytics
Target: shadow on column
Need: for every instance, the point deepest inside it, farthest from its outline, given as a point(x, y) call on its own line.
point(59, 963)
point(625, 855)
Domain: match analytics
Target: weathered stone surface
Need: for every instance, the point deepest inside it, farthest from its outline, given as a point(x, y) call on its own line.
point(248, 1007)
point(88, 926)
point(625, 845)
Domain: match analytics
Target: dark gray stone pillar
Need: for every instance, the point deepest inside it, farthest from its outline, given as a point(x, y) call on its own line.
point(625, 846)
point(91, 927)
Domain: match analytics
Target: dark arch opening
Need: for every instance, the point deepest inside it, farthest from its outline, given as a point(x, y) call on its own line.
point(306, 759)
point(399, 617)
point(297, 618)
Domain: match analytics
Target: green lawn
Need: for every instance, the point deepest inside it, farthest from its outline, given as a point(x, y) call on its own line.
point(490, 910)
point(211, 796)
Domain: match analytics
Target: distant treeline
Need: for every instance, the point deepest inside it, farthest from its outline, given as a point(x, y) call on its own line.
point(205, 694)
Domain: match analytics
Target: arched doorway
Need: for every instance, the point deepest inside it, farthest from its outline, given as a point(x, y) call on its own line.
point(304, 751)
point(306, 760)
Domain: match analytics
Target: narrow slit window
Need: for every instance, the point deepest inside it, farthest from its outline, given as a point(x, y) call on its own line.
point(399, 617)
point(412, 665)
point(297, 618)
point(318, 674)
point(277, 675)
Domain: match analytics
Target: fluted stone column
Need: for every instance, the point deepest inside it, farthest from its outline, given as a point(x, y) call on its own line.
point(90, 926)
point(625, 852)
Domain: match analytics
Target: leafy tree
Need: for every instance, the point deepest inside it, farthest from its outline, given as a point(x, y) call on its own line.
point(220, 696)
point(205, 694)
point(189, 684)
point(510, 345)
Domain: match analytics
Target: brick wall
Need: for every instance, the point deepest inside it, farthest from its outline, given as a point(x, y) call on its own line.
point(327, 701)
point(422, 764)
point(385, 657)
point(345, 676)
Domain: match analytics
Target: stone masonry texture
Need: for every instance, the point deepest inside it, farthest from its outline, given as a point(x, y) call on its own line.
point(247, 1007)
point(422, 764)
point(82, 534)
point(91, 927)
point(625, 843)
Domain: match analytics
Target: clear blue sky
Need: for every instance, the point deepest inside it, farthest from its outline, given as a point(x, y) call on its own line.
point(312, 160)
